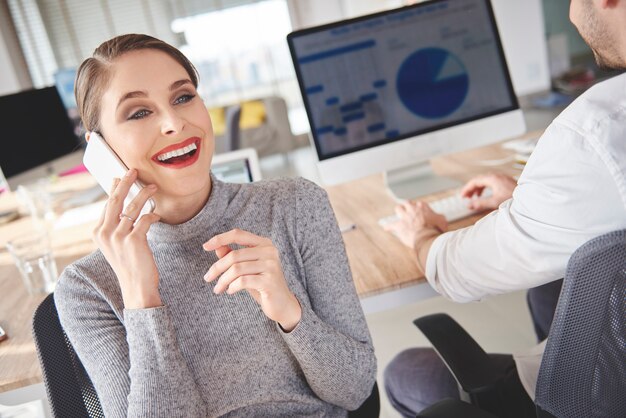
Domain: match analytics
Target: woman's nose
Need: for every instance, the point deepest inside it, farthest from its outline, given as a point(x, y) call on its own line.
point(171, 122)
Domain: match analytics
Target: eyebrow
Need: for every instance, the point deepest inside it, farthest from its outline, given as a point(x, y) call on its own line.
point(141, 93)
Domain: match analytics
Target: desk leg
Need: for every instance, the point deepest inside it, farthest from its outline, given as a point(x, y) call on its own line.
point(396, 298)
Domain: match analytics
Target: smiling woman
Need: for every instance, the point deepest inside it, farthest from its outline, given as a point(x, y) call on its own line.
point(230, 300)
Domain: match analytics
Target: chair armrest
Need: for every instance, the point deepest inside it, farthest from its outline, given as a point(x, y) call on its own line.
point(470, 365)
point(452, 408)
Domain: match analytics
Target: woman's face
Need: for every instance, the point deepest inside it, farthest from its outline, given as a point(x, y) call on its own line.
point(153, 118)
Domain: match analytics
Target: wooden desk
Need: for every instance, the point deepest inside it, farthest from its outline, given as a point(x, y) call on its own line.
point(19, 366)
point(379, 262)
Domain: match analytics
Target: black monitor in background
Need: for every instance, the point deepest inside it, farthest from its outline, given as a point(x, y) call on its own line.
point(37, 136)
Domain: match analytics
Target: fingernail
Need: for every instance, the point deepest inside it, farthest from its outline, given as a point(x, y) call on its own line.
point(129, 173)
point(152, 187)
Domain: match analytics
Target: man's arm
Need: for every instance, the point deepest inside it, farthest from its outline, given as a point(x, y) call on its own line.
point(565, 197)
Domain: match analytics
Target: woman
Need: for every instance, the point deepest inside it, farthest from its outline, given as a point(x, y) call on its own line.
point(230, 299)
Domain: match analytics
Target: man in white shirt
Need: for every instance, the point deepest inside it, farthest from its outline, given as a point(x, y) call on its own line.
point(572, 190)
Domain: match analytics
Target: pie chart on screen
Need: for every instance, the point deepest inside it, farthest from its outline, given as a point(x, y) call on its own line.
point(432, 83)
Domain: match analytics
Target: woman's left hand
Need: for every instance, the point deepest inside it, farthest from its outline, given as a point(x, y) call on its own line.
point(257, 269)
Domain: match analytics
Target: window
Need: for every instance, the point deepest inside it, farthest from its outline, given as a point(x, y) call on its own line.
point(241, 52)
point(238, 55)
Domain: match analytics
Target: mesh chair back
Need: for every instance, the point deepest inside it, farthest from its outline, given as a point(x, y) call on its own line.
point(583, 370)
point(69, 389)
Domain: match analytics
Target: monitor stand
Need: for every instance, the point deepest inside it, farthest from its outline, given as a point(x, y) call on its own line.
point(415, 181)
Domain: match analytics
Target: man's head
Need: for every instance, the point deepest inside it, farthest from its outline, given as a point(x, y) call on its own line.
point(602, 24)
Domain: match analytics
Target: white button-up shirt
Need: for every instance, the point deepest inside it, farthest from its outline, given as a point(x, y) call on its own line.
point(572, 189)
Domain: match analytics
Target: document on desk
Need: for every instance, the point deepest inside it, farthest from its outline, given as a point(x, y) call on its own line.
point(81, 215)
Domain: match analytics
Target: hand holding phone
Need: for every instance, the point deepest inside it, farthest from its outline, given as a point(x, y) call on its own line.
point(131, 259)
point(105, 165)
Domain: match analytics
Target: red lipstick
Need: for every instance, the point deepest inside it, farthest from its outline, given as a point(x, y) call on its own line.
point(181, 161)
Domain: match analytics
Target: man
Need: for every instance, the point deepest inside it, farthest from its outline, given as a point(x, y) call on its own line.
point(572, 189)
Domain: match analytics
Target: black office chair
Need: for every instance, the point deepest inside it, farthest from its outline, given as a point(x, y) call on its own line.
point(370, 408)
point(70, 391)
point(583, 369)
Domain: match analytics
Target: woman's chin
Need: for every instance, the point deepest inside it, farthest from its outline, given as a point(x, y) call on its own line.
point(185, 189)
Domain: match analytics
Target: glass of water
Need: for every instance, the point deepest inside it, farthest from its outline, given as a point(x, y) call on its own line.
point(33, 256)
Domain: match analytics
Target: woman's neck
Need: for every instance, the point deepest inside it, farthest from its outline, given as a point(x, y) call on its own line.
point(178, 210)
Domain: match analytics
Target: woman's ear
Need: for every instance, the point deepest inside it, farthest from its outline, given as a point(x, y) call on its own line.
point(87, 135)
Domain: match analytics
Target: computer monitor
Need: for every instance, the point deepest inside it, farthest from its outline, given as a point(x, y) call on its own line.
point(388, 91)
point(37, 138)
point(240, 166)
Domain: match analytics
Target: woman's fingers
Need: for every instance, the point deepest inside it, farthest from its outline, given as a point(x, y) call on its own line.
point(233, 257)
point(143, 224)
point(133, 210)
point(115, 204)
point(235, 236)
point(247, 282)
point(222, 251)
point(245, 268)
point(114, 184)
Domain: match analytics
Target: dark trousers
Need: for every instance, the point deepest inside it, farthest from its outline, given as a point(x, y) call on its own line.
point(542, 301)
point(417, 378)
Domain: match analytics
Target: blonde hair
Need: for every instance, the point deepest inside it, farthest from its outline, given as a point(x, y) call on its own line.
point(93, 75)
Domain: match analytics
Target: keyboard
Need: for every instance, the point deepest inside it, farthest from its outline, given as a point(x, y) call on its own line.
point(452, 207)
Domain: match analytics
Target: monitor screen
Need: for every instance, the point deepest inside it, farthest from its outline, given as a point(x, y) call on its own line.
point(239, 166)
point(393, 75)
point(236, 171)
point(37, 130)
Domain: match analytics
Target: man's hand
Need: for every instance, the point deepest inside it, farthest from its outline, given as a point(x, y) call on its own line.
point(415, 220)
point(501, 185)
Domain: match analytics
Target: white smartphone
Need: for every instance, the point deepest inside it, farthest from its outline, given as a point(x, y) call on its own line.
point(105, 165)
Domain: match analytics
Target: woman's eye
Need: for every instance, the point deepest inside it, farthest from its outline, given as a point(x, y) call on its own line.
point(184, 98)
point(140, 114)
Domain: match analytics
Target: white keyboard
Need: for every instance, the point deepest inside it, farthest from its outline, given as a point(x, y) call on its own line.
point(453, 208)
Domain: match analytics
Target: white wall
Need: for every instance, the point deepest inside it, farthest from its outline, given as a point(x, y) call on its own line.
point(13, 70)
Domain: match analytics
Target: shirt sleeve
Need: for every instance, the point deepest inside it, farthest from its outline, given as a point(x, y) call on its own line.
point(565, 196)
point(331, 343)
point(135, 366)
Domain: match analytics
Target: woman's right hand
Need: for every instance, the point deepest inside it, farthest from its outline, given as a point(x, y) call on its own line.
point(501, 186)
point(125, 246)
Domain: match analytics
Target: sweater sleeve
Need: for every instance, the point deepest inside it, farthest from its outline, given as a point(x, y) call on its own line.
point(136, 366)
point(331, 343)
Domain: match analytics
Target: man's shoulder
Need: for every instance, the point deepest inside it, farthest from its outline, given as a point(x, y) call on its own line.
point(599, 107)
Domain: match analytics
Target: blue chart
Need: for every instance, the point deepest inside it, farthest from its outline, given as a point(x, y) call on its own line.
point(432, 83)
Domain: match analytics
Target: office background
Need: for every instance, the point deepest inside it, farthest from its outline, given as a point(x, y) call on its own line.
point(40, 39)
point(43, 38)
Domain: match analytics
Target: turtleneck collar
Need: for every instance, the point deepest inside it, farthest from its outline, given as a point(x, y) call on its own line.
point(208, 216)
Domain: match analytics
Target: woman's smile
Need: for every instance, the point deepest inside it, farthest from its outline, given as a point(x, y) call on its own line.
point(180, 155)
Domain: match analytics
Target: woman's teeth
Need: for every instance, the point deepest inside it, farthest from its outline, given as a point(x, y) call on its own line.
point(178, 152)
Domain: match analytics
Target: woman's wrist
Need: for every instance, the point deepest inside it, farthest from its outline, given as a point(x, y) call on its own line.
point(293, 315)
point(142, 299)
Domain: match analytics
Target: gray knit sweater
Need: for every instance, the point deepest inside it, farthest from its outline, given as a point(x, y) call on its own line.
point(202, 354)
